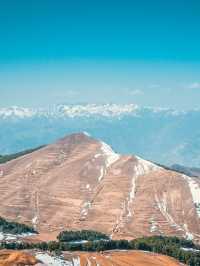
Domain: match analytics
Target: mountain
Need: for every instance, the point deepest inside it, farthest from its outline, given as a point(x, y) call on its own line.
point(165, 136)
point(81, 183)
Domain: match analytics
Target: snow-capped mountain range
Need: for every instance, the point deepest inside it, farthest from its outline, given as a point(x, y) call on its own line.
point(83, 110)
point(163, 135)
point(104, 110)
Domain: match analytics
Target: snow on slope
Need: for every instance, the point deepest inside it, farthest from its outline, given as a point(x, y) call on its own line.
point(110, 155)
point(10, 237)
point(56, 261)
point(195, 192)
point(141, 167)
point(110, 158)
point(144, 167)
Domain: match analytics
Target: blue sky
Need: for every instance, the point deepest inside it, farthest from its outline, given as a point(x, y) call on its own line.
point(145, 52)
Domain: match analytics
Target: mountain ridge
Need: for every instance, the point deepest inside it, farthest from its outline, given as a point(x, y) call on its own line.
point(88, 109)
point(81, 183)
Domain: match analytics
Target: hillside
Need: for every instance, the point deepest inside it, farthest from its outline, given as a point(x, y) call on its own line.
point(7, 158)
point(13, 258)
point(81, 183)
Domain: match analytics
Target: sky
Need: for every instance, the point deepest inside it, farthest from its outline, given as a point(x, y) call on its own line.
point(143, 52)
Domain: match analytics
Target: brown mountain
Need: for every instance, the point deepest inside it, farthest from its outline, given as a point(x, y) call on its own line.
point(80, 182)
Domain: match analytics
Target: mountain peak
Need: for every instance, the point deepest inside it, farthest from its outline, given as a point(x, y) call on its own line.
point(81, 183)
point(76, 138)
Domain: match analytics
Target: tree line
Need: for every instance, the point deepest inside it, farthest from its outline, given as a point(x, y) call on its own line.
point(8, 227)
point(68, 236)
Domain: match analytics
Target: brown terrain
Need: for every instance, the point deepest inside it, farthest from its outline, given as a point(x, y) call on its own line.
point(129, 258)
point(15, 258)
point(80, 183)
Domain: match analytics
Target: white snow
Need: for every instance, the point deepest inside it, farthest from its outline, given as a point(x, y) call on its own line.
point(191, 249)
point(188, 235)
point(111, 156)
point(107, 110)
point(71, 111)
point(154, 226)
point(15, 111)
point(162, 205)
point(34, 220)
point(144, 167)
point(195, 192)
point(79, 242)
point(86, 206)
point(9, 237)
point(1, 236)
point(141, 167)
point(88, 186)
point(101, 173)
point(56, 261)
point(97, 155)
point(86, 133)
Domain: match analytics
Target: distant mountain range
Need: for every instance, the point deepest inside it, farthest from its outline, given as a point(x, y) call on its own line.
point(165, 136)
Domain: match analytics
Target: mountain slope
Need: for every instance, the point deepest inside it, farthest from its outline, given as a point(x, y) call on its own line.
point(136, 258)
point(80, 182)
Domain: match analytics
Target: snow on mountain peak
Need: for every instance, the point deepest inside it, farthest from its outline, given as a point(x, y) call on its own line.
point(97, 109)
point(80, 110)
point(15, 111)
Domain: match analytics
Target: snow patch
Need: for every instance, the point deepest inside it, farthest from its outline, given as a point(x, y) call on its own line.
point(141, 167)
point(154, 226)
point(86, 206)
point(191, 249)
point(10, 237)
point(111, 156)
point(88, 186)
point(162, 205)
point(195, 192)
point(56, 261)
point(34, 220)
point(106, 110)
point(15, 111)
point(101, 173)
point(144, 167)
point(86, 134)
point(188, 235)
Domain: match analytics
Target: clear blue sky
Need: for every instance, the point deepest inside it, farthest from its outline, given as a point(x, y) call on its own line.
point(147, 52)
